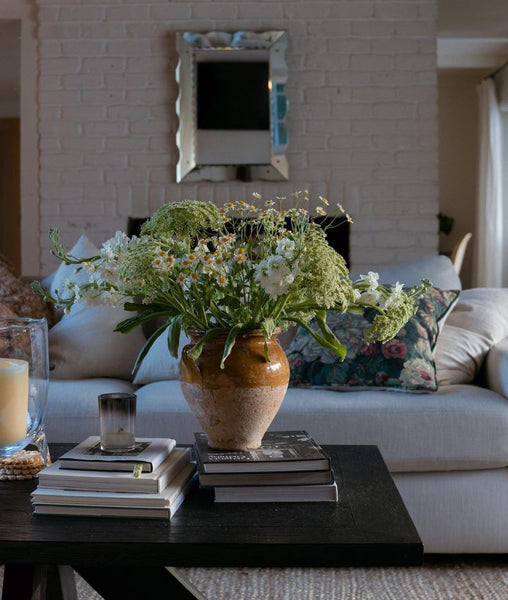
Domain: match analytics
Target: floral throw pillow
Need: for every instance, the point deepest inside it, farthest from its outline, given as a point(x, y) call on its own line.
point(406, 362)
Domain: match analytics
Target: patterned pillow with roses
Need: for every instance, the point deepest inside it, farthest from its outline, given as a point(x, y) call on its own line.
point(406, 362)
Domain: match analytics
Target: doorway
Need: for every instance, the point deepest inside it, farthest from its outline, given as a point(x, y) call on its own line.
point(10, 188)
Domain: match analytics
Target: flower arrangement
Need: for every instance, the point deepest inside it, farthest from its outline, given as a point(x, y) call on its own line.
point(231, 269)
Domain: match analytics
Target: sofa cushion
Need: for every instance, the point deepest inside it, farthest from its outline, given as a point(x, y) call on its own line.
point(476, 324)
point(459, 427)
point(158, 364)
point(497, 368)
point(83, 344)
point(406, 362)
point(437, 268)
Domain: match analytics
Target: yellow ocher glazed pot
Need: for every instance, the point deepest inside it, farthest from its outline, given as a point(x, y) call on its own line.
point(235, 405)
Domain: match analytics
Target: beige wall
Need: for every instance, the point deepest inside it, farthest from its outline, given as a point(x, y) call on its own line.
point(24, 11)
point(458, 141)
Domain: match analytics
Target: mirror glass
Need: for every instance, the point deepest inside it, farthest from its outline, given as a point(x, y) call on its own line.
point(232, 106)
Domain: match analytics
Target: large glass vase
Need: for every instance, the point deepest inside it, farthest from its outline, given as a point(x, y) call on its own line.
point(24, 378)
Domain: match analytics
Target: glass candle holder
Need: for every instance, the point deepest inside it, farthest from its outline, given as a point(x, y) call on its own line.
point(117, 416)
point(24, 377)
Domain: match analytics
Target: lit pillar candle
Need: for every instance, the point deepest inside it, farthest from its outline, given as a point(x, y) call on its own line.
point(13, 400)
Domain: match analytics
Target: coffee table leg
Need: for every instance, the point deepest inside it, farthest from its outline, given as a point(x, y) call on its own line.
point(18, 582)
point(35, 582)
point(38, 582)
point(123, 583)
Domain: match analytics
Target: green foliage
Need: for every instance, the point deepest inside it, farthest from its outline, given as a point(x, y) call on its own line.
point(182, 220)
point(204, 270)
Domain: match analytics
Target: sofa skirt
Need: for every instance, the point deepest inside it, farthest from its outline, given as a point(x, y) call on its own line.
point(458, 512)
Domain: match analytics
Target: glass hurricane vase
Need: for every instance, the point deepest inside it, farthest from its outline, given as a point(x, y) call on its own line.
point(24, 378)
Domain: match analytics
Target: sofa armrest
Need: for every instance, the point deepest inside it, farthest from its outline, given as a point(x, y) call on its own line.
point(497, 368)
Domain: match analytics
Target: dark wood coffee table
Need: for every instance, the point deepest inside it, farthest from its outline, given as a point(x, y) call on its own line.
point(124, 558)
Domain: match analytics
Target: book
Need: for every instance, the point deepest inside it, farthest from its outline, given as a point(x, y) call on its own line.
point(105, 511)
point(119, 499)
point(149, 452)
point(278, 493)
point(103, 504)
point(270, 478)
point(279, 451)
point(53, 476)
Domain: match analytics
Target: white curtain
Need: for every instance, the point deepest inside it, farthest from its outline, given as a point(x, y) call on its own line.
point(488, 256)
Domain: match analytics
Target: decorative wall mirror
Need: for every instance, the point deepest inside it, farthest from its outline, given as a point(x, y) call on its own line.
point(232, 106)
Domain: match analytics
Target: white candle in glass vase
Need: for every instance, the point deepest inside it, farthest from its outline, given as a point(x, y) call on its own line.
point(13, 400)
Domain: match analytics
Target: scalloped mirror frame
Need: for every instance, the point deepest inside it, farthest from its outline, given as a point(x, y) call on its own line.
point(238, 46)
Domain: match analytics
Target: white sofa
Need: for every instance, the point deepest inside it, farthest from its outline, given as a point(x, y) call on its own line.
point(447, 450)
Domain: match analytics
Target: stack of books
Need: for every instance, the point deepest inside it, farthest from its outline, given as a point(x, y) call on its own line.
point(150, 481)
point(289, 466)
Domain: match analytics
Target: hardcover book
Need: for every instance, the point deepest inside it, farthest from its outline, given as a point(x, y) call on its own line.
point(148, 452)
point(279, 451)
point(115, 481)
point(73, 502)
point(270, 478)
point(278, 493)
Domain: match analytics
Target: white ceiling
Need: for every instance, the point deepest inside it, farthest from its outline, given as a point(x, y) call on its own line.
point(473, 18)
point(472, 33)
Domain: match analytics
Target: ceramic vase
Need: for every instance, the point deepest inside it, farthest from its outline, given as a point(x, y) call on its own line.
point(235, 405)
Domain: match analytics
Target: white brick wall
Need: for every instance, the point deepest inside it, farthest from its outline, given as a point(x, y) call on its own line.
point(362, 121)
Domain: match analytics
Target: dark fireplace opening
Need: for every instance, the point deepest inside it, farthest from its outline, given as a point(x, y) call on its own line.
point(337, 236)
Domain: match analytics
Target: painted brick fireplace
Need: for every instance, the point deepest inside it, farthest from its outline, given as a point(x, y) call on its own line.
point(362, 121)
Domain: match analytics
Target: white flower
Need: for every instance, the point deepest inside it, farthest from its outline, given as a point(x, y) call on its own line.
point(275, 275)
point(372, 279)
point(96, 277)
point(274, 263)
point(114, 246)
point(285, 248)
point(68, 285)
point(110, 297)
point(395, 295)
point(370, 297)
point(202, 246)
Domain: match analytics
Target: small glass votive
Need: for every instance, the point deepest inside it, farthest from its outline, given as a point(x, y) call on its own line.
point(117, 416)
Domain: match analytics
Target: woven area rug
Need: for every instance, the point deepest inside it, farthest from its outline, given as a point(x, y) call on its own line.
point(446, 581)
point(440, 579)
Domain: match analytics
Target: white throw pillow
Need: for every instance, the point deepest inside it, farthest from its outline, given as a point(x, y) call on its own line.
point(477, 323)
point(83, 344)
point(158, 364)
point(438, 268)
